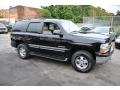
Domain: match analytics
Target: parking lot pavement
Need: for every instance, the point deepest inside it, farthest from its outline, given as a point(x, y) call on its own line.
point(41, 71)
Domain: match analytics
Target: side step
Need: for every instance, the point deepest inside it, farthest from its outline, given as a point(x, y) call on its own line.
point(58, 58)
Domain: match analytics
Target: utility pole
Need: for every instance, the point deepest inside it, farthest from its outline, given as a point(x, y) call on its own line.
point(9, 13)
point(112, 21)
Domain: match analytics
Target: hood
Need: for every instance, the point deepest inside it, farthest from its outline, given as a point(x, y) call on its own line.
point(93, 36)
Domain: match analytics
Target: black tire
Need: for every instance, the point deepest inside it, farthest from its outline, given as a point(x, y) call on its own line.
point(24, 47)
point(90, 62)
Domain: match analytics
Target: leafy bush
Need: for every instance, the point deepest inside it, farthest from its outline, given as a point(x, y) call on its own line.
point(46, 13)
point(73, 12)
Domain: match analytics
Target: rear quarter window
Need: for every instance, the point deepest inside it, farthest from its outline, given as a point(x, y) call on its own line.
point(34, 27)
point(20, 26)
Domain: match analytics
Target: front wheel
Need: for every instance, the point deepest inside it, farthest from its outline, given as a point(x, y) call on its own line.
point(82, 61)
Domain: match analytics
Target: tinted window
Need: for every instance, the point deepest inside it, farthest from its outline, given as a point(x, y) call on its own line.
point(20, 26)
point(34, 28)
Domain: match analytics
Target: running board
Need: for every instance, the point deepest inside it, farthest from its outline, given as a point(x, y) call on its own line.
point(47, 56)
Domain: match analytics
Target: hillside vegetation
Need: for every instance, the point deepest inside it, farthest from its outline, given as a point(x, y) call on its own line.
point(73, 12)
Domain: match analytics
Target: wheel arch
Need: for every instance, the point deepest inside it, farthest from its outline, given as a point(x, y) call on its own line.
point(86, 48)
point(19, 42)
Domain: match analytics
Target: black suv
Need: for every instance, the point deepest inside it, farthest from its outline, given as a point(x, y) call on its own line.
point(61, 40)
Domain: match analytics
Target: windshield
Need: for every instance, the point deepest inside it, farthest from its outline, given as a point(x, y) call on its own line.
point(101, 30)
point(69, 26)
point(2, 25)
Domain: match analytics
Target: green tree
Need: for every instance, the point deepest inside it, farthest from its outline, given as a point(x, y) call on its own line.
point(73, 12)
point(46, 13)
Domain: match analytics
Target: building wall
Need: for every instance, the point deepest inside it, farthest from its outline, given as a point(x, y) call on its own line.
point(23, 12)
point(13, 13)
point(31, 13)
point(20, 12)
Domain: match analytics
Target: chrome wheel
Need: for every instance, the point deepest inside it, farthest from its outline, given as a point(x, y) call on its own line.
point(81, 62)
point(22, 52)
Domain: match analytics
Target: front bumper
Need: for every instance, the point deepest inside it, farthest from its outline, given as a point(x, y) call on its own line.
point(102, 60)
point(105, 57)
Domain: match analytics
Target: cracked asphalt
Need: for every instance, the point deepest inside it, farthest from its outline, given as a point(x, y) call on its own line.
point(37, 71)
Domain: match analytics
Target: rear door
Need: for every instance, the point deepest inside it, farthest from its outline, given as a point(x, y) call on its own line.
point(33, 35)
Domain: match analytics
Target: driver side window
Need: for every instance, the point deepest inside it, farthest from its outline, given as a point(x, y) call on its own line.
point(48, 28)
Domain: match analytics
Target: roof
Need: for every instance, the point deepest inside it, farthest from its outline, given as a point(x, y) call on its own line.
point(36, 20)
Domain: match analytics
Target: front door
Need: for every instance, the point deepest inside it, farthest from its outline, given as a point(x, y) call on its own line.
point(50, 44)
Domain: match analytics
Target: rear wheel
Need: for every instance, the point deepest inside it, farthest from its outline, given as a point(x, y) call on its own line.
point(23, 51)
point(82, 61)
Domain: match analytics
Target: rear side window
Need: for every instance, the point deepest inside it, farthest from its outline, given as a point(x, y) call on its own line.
point(34, 27)
point(20, 26)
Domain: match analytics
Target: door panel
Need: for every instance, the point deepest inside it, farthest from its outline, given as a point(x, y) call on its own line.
point(51, 45)
point(32, 40)
point(32, 35)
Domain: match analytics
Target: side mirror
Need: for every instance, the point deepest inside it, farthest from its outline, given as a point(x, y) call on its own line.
point(57, 32)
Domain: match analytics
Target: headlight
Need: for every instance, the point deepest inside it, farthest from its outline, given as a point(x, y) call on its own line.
point(104, 48)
